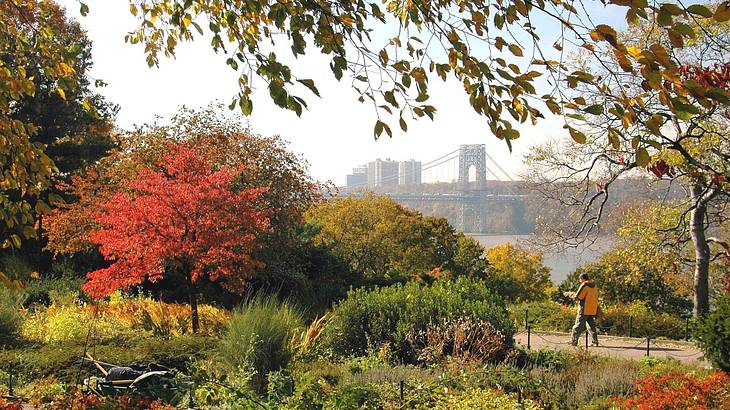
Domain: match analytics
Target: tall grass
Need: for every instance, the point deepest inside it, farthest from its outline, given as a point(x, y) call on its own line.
point(259, 337)
point(10, 301)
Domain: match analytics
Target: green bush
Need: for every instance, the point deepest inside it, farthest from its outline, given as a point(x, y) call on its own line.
point(612, 320)
point(368, 319)
point(259, 337)
point(712, 332)
point(10, 319)
point(40, 291)
point(546, 359)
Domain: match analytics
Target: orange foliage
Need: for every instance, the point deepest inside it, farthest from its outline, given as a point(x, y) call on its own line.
point(680, 391)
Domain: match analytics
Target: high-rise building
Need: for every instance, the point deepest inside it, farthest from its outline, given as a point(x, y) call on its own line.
point(382, 173)
point(358, 178)
point(409, 172)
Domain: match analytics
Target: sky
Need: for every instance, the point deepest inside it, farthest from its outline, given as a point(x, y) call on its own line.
point(334, 135)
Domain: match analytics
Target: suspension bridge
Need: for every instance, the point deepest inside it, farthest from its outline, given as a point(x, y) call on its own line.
point(471, 196)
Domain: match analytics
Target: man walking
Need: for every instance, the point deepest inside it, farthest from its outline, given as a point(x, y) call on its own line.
point(587, 297)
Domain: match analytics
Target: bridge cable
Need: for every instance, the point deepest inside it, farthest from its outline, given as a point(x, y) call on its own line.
point(499, 167)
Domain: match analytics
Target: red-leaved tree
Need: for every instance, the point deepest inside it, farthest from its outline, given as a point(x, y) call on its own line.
point(182, 218)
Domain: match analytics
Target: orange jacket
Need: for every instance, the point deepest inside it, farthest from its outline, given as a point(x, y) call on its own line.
point(587, 295)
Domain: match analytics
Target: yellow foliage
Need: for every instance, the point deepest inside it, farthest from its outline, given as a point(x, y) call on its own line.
point(302, 342)
point(525, 268)
point(65, 321)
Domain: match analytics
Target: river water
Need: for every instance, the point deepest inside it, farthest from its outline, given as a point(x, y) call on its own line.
point(560, 263)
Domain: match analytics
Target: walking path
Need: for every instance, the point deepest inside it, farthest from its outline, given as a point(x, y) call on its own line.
point(613, 346)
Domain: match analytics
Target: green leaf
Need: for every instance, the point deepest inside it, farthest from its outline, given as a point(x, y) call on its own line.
point(719, 95)
point(684, 29)
point(310, 84)
point(403, 124)
point(42, 208)
point(699, 10)
point(684, 110)
point(390, 98)
point(16, 240)
point(246, 105)
point(84, 9)
point(654, 124)
point(664, 17)
point(378, 128)
point(28, 232)
point(642, 157)
point(595, 109)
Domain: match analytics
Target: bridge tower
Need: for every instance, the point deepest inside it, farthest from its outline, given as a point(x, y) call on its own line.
point(472, 197)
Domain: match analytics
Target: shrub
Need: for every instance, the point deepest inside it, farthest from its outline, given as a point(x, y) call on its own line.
point(68, 319)
point(63, 322)
point(583, 382)
point(38, 292)
point(712, 332)
point(677, 391)
point(9, 315)
point(612, 320)
point(464, 339)
point(368, 319)
point(546, 359)
point(163, 319)
point(544, 316)
point(484, 399)
point(259, 337)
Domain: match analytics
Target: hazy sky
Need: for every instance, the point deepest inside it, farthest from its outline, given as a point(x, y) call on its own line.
point(334, 135)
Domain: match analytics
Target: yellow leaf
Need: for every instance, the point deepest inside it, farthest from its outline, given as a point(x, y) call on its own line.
point(515, 49)
point(634, 51)
point(577, 136)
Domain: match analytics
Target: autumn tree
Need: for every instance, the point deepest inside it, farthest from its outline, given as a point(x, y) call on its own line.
point(641, 267)
point(665, 123)
point(75, 126)
point(222, 140)
point(182, 218)
point(517, 274)
point(33, 60)
point(380, 239)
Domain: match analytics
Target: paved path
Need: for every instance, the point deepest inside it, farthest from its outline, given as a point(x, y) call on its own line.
point(624, 347)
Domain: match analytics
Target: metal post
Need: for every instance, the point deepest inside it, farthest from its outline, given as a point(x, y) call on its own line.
point(401, 391)
point(631, 324)
point(528, 337)
point(647, 345)
point(10, 381)
point(686, 328)
point(527, 323)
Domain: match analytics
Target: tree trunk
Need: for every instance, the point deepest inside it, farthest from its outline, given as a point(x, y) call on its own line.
point(702, 252)
point(193, 297)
